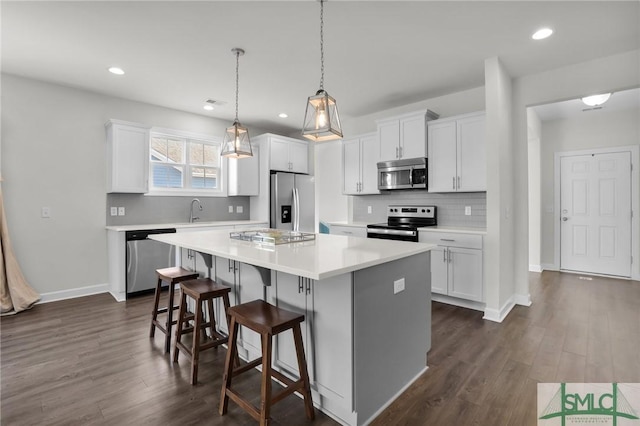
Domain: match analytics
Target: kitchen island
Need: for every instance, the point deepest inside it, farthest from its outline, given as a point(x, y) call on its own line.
point(367, 307)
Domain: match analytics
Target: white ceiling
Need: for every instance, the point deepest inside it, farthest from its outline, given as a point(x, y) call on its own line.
point(378, 54)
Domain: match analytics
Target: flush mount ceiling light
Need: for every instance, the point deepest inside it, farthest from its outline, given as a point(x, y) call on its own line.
point(116, 70)
point(236, 142)
point(542, 33)
point(321, 120)
point(283, 115)
point(596, 100)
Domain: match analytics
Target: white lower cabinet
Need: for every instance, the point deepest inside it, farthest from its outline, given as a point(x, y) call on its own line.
point(349, 231)
point(326, 330)
point(456, 265)
point(247, 284)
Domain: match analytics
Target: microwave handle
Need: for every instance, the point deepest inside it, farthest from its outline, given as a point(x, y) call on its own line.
point(411, 176)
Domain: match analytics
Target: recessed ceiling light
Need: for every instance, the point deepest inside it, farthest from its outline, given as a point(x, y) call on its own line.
point(116, 70)
point(542, 33)
point(596, 100)
point(283, 115)
point(208, 107)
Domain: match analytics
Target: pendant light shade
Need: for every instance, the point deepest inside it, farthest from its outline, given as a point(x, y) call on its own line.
point(321, 119)
point(236, 143)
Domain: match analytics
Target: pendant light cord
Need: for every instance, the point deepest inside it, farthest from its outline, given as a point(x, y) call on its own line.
point(237, 80)
point(321, 45)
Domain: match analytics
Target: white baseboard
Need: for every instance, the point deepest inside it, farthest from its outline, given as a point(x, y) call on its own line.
point(477, 306)
point(498, 315)
point(549, 267)
point(522, 299)
point(535, 268)
point(73, 293)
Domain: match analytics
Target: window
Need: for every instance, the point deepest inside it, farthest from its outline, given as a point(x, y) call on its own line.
point(182, 164)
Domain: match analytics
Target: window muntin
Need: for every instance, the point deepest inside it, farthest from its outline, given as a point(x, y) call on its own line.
point(184, 164)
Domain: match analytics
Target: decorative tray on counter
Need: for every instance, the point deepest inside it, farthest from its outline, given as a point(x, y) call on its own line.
point(272, 236)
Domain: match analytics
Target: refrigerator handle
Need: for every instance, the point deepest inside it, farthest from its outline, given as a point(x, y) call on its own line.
point(296, 210)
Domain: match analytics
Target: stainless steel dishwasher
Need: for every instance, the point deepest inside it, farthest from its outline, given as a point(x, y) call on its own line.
point(144, 256)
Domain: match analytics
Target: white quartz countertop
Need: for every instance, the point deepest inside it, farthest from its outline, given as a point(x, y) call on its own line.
point(144, 227)
point(324, 257)
point(476, 231)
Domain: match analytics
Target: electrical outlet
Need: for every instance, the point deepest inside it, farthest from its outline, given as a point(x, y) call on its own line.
point(230, 209)
point(369, 209)
point(114, 211)
point(467, 210)
point(398, 286)
point(120, 211)
point(239, 209)
point(46, 212)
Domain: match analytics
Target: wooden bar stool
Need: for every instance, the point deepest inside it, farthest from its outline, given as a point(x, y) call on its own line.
point(172, 276)
point(200, 290)
point(267, 320)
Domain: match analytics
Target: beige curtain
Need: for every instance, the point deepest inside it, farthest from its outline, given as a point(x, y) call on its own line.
point(15, 293)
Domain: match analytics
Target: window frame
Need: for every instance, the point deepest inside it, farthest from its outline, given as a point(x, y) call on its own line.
point(186, 190)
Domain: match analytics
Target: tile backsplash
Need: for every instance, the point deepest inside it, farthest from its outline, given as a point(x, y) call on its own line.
point(141, 209)
point(451, 207)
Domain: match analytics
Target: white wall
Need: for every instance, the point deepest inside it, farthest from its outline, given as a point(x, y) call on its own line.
point(53, 155)
point(594, 129)
point(533, 135)
point(607, 74)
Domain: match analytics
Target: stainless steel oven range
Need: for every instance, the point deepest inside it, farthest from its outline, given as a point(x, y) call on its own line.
point(403, 223)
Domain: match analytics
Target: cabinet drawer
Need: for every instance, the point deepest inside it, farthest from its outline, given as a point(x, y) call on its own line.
point(451, 239)
point(349, 231)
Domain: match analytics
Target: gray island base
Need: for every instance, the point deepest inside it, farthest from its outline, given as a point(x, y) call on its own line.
point(367, 307)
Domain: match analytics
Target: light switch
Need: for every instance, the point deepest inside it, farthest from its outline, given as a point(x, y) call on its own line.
point(239, 209)
point(230, 209)
point(398, 286)
point(46, 212)
point(120, 211)
point(114, 211)
point(369, 209)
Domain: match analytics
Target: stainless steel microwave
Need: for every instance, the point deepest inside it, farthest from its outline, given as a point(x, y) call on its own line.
point(409, 173)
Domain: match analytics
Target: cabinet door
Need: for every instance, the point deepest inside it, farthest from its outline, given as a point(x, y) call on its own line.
point(328, 347)
point(251, 287)
point(413, 138)
point(439, 270)
point(369, 150)
point(244, 174)
point(472, 165)
point(128, 159)
point(290, 294)
point(465, 274)
point(389, 133)
point(299, 157)
point(351, 166)
point(441, 171)
point(225, 274)
point(279, 154)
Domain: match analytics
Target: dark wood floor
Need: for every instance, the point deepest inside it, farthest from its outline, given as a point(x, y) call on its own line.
point(89, 361)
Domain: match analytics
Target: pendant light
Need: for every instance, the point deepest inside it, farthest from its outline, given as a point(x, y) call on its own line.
point(236, 142)
point(321, 120)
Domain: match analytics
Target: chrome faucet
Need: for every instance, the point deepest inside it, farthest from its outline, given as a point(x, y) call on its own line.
point(193, 218)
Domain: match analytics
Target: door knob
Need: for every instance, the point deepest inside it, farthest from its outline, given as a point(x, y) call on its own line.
point(564, 219)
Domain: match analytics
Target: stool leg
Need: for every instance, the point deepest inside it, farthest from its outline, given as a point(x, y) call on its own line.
point(227, 305)
point(265, 402)
point(181, 314)
point(228, 365)
point(304, 374)
point(167, 340)
point(212, 320)
point(154, 315)
point(195, 349)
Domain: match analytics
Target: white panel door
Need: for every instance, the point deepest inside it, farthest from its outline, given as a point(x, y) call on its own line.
point(299, 157)
point(595, 209)
point(413, 138)
point(439, 268)
point(351, 166)
point(369, 150)
point(472, 163)
point(441, 172)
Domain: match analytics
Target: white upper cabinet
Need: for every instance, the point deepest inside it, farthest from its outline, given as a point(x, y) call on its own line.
point(359, 165)
point(244, 174)
point(457, 158)
point(404, 136)
point(289, 155)
point(127, 157)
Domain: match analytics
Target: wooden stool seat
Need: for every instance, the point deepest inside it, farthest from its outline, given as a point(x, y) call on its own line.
point(267, 320)
point(172, 276)
point(201, 290)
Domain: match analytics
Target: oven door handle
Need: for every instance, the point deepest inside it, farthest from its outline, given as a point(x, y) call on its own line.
point(391, 232)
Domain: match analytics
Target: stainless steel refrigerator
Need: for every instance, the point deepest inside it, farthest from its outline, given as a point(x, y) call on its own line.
point(293, 202)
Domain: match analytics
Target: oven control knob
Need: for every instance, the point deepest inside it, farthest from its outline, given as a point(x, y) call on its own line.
point(423, 210)
point(390, 210)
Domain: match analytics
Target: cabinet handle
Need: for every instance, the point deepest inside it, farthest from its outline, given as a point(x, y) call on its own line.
point(300, 285)
point(444, 255)
point(446, 239)
point(458, 182)
point(397, 152)
point(449, 255)
point(400, 152)
point(308, 285)
point(453, 184)
point(229, 261)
